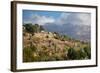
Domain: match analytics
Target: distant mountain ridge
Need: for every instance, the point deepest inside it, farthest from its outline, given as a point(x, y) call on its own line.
point(80, 32)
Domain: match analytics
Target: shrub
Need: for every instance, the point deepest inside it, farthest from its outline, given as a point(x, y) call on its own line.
point(82, 54)
point(33, 28)
point(72, 54)
point(88, 52)
point(27, 55)
point(47, 36)
point(29, 28)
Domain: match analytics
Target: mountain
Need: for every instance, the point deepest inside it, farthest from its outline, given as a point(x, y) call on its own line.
point(80, 32)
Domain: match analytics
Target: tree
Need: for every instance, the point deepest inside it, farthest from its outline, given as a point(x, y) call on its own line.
point(82, 54)
point(41, 28)
point(72, 54)
point(88, 52)
point(33, 28)
point(65, 37)
point(36, 28)
point(29, 28)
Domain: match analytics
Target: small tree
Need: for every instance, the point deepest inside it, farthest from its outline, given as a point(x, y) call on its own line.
point(29, 28)
point(88, 52)
point(41, 28)
point(33, 28)
point(82, 54)
point(72, 54)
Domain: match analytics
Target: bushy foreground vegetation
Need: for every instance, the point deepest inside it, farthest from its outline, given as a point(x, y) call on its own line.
point(40, 45)
point(83, 53)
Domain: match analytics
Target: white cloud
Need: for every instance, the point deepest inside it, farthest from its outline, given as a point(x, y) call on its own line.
point(74, 18)
point(85, 18)
point(64, 18)
point(41, 20)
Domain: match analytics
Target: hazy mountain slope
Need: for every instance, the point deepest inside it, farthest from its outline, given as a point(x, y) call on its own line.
point(76, 31)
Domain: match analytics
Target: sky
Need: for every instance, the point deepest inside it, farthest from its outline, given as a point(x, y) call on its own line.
point(55, 17)
point(74, 24)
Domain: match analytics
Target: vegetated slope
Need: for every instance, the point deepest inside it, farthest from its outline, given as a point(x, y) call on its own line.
point(41, 45)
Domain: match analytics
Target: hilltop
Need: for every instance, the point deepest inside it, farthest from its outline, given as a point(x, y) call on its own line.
point(42, 45)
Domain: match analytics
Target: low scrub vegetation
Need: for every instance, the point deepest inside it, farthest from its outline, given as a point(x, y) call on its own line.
point(40, 45)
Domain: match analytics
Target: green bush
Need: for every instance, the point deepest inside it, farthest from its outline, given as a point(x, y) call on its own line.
point(88, 52)
point(33, 28)
point(72, 54)
point(29, 28)
point(77, 55)
point(27, 55)
point(82, 54)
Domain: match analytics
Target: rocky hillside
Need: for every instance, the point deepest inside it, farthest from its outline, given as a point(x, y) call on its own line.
point(41, 45)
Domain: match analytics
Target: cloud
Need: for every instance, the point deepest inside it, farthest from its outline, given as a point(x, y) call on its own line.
point(64, 18)
point(41, 20)
point(74, 18)
point(76, 25)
